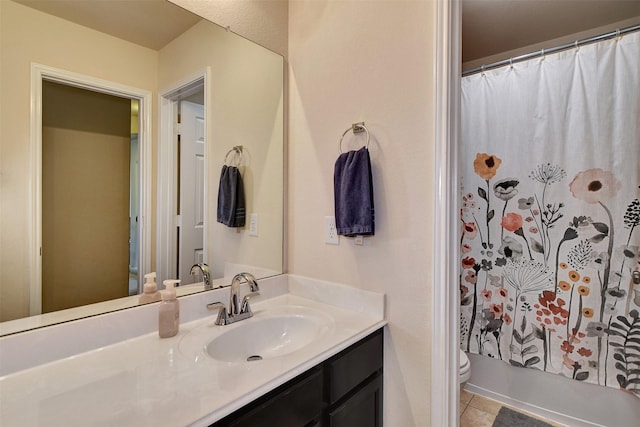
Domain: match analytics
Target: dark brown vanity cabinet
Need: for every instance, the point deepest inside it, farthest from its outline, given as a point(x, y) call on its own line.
point(343, 391)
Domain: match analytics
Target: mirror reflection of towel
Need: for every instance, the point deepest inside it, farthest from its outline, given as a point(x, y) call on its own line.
point(353, 194)
point(231, 207)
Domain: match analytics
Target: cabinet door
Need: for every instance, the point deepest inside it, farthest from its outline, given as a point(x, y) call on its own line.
point(355, 365)
point(298, 405)
point(363, 409)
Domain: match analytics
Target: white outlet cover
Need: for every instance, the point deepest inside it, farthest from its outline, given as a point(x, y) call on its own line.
point(253, 224)
point(330, 233)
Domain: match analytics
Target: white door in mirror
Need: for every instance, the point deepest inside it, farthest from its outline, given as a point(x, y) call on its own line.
point(192, 179)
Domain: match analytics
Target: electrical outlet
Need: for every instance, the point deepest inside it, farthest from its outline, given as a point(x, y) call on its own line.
point(253, 224)
point(330, 233)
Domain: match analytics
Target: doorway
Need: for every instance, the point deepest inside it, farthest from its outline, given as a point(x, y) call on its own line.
point(82, 141)
point(87, 202)
point(182, 179)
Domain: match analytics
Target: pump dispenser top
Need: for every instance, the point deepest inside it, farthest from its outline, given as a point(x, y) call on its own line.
point(169, 311)
point(150, 290)
point(169, 292)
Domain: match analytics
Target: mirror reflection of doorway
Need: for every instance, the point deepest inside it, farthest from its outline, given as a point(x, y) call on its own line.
point(182, 178)
point(89, 211)
point(191, 177)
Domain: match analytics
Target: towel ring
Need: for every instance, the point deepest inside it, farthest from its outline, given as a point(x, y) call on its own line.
point(356, 128)
point(237, 150)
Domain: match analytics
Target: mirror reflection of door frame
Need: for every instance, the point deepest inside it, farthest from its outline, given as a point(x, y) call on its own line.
point(167, 218)
point(38, 74)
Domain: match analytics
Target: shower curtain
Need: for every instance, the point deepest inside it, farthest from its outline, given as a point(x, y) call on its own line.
point(550, 213)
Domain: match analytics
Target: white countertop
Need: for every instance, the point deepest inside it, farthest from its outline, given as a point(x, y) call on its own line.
point(151, 381)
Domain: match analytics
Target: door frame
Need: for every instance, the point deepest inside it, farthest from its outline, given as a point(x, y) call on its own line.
point(167, 219)
point(445, 330)
point(39, 73)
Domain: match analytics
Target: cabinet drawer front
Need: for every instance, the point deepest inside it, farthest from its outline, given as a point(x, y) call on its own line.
point(354, 366)
point(298, 405)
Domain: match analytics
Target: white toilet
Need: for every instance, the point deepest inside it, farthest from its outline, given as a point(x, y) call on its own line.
point(465, 369)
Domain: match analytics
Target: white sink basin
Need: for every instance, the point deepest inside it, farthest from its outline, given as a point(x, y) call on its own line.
point(266, 337)
point(269, 333)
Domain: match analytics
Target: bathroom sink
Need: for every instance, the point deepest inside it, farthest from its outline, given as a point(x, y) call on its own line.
point(267, 337)
point(270, 333)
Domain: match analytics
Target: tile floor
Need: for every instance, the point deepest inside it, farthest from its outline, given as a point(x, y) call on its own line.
point(478, 411)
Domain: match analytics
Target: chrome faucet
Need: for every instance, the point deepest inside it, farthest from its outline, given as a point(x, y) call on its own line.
point(206, 274)
point(236, 311)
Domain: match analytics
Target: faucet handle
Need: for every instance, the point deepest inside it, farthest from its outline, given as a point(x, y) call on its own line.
point(214, 305)
point(223, 316)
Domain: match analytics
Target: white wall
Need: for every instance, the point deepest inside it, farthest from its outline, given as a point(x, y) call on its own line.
point(369, 61)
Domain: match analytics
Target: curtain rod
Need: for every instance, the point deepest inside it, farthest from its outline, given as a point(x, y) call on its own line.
point(543, 52)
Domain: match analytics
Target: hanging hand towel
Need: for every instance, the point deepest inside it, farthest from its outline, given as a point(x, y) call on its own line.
point(353, 194)
point(231, 207)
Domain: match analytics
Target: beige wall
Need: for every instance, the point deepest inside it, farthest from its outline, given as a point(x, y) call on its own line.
point(263, 21)
point(246, 109)
point(369, 61)
point(85, 251)
point(25, 37)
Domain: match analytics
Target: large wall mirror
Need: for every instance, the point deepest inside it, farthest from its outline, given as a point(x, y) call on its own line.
point(117, 119)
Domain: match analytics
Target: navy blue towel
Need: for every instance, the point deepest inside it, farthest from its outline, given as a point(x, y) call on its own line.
point(231, 207)
point(353, 194)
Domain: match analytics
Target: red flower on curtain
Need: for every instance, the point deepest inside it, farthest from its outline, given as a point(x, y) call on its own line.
point(468, 262)
point(511, 222)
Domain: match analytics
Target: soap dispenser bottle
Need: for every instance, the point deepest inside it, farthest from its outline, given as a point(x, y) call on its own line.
point(150, 290)
point(169, 312)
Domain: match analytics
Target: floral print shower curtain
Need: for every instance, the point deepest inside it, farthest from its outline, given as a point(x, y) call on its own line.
point(550, 214)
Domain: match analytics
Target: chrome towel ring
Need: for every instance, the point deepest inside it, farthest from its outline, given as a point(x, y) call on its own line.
point(356, 128)
point(238, 152)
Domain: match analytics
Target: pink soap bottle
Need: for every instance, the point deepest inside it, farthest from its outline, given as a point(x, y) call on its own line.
point(169, 312)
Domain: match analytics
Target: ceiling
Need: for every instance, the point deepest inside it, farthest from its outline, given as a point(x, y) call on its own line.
point(490, 27)
point(149, 23)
